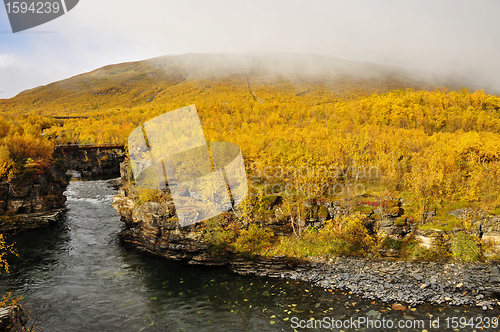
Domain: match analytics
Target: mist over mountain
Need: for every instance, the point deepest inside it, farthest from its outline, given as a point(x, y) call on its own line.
point(135, 82)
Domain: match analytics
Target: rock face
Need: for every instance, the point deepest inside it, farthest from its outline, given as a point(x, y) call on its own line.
point(35, 199)
point(12, 319)
point(489, 231)
point(93, 163)
point(152, 227)
point(35, 202)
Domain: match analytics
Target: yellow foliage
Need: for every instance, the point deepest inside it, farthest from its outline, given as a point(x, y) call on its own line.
point(5, 161)
point(5, 249)
point(151, 195)
point(343, 236)
point(439, 145)
point(355, 235)
point(253, 241)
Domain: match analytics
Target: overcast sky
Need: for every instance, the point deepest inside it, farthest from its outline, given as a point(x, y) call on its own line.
point(451, 37)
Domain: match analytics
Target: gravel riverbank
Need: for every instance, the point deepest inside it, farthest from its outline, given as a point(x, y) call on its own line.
point(413, 283)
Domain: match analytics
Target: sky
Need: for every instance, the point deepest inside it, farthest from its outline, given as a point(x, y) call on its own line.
point(445, 38)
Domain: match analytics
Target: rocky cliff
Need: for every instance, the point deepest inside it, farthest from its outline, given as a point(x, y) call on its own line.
point(92, 164)
point(152, 227)
point(33, 198)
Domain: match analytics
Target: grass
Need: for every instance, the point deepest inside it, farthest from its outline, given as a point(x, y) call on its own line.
point(495, 211)
point(465, 247)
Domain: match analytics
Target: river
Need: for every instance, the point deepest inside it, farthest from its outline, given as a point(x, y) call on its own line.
point(77, 276)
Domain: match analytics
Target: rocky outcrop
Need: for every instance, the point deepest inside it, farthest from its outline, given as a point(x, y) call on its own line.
point(152, 227)
point(489, 231)
point(12, 319)
point(92, 164)
point(31, 201)
point(34, 198)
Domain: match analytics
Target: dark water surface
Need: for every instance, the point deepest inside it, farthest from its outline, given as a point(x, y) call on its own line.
point(78, 277)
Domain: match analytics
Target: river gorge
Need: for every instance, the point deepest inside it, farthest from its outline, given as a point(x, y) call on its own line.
point(77, 276)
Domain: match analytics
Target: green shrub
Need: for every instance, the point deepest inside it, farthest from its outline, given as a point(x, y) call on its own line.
point(390, 243)
point(323, 212)
point(354, 237)
point(400, 221)
point(253, 241)
point(438, 251)
point(217, 236)
point(346, 236)
point(465, 247)
point(421, 253)
point(310, 244)
point(495, 211)
point(310, 229)
point(364, 209)
point(393, 210)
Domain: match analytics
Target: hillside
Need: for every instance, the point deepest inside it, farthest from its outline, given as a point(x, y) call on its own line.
point(351, 125)
point(137, 83)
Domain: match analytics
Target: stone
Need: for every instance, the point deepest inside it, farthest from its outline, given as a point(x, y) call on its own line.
point(12, 318)
point(494, 274)
point(398, 307)
point(417, 276)
point(374, 314)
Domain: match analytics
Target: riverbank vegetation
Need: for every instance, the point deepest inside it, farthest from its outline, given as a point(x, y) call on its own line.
point(346, 235)
point(436, 149)
point(24, 152)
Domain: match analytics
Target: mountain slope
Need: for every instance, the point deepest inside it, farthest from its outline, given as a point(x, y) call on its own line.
point(361, 125)
point(136, 83)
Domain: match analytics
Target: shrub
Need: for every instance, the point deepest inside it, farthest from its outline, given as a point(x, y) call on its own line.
point(390, 243)
point(5, 161)
point(323, 212)
point(364, 209)
point(438, 250)
point(150, 195)
point(217, 236)
point(310, 244)
point(5, 249)
point(354, 235)
point(253, 241)
point(400, 221)
point(424, 254)
point(346, 236)
point(27, 146)
point(465, 247)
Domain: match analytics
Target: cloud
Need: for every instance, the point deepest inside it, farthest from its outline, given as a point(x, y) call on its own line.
point(16, 75)
point(449, 38)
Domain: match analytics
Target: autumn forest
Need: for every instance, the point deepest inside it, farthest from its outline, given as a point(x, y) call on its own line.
point(438, 149)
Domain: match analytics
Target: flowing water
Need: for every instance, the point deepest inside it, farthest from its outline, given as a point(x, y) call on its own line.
point(78, 277)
